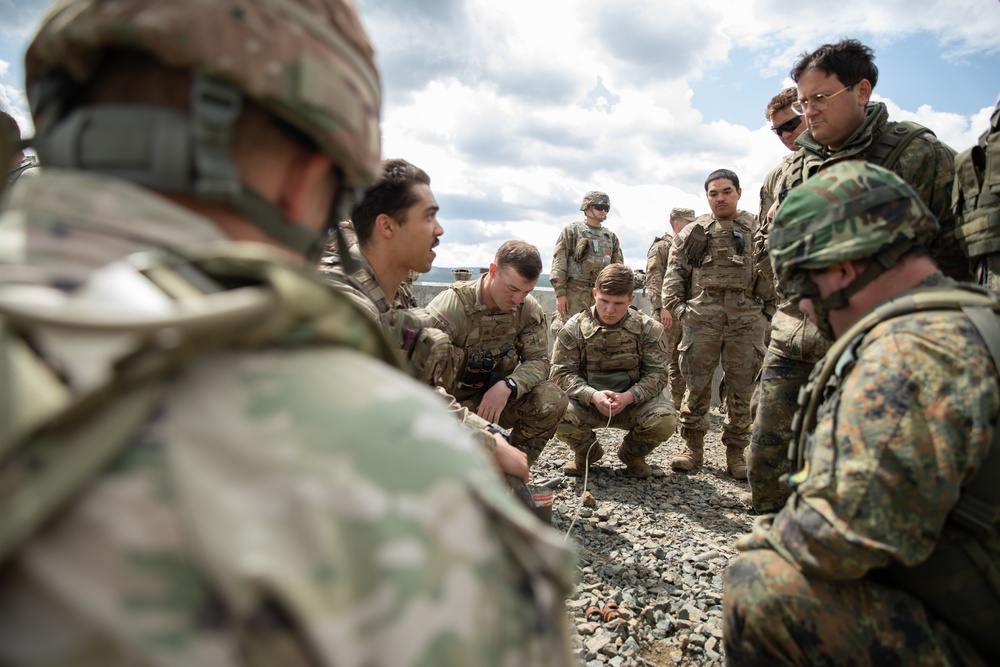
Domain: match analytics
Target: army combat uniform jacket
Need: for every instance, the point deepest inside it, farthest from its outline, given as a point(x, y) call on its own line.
point(656, 268)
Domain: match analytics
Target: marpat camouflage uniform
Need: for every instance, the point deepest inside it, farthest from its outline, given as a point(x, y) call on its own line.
point(493, 346)
point(629, 356)
point(656, 266)
point(581, 252)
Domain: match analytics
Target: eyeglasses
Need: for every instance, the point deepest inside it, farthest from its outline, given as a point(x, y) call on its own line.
point(818, 101)
point(601, 207)
point(788, 126)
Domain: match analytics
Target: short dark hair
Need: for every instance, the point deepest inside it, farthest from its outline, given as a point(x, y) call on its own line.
point(782, 100)
point(850, 60)
point(391, 194)
point(720, 174)
point(522, 256)
point(615, 280)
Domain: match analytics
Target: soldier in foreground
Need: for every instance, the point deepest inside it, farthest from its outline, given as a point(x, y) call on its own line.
point(20, 164)
point(610, 359)
point(716, 290)
point(582, 250)
point(498, 332)
point(656, 266)
point(216, 468)
point(887, 550)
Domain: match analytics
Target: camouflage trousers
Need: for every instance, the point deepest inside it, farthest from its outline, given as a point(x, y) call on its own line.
point(705, 341)
point(795, 348)
point(531, 418)
point(677, 384)
point(648, 424)
point(775, 615)
point(987, 271)
point(580, 296)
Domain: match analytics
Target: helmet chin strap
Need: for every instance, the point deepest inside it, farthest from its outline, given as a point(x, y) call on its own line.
point(170, 151)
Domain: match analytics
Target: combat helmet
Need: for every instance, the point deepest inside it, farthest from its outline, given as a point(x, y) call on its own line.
point(595, 197)
point(850, 211)
point(307, 62)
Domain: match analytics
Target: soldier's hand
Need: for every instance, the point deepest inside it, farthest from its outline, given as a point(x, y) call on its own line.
point(494, 401)
point(562, 305)
point(510, 459)
point(602, 400)
point(666, 319)
point(621, 401)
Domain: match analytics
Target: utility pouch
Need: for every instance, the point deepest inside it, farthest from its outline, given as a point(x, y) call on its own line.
point(696, 245)
point(580, 251)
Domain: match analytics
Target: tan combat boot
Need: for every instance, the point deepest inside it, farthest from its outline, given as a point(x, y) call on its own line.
point(577, 467)
point(736, 461)
point(635, 466)
point(692, 456)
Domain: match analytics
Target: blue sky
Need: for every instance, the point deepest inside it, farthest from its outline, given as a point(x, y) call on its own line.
point(518, 108)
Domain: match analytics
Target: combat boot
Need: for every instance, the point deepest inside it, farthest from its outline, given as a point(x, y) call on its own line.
point(577, 467)
point(636, 466)
point(736, 461)
point(691, 457)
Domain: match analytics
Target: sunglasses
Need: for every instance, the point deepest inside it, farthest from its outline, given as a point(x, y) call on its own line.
point(788, 126)
point(601, 207)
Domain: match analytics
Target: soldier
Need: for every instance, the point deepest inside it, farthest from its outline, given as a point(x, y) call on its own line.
point(976, 199)
point(20, 164)
point(656, 265)
point(887, 551)
point(834, 87)
point(717, 291)
point(582, 250)
point(212, 468)
point(498, 330)
point(610, 360)
point(787, 125)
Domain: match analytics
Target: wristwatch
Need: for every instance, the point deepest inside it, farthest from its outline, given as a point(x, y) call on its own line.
point(511, 385)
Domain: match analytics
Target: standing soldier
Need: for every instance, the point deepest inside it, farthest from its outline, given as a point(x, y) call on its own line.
point(977, 203)
point(610, 360)
point(211, 458)
point(656, 266)
point(582, 250)
point(717, 290)
point(498, 332)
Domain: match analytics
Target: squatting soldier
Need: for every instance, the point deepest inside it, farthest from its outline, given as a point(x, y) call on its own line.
point(610, 360)
point(656, 266)
point(582, 250)
point(888, 549)
point(498, 332)
point(219, 462)
point(718, 290)
point(835, 83)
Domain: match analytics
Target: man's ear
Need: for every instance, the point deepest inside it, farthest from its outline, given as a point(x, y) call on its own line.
point(845, 273)
point(864, 91)
point(384, 226)
point(304, 173)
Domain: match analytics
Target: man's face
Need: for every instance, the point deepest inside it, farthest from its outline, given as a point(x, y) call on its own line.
point(844, 113)
point(677, 224)
point(722, 198)
point(611, 308)
point(418, 232)
point(506, 288)
point(786, 115)
point(596, 214)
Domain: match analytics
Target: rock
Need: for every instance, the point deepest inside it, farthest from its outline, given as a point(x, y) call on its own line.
point(589, 500)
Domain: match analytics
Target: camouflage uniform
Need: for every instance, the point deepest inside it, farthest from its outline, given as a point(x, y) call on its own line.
point(720, 305)
point(656, 265)
point(285, 502)
point(976, 202)
point(581, 252)
point(796, 344)
point(516, 344)
point(28, 168)
point(906, 420)
point(629, 356)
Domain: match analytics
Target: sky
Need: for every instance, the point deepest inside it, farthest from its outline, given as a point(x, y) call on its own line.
point(518, 108)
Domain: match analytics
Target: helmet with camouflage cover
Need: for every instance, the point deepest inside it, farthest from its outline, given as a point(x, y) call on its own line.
point(594, 197)
point(850, 211)
point(307, 62)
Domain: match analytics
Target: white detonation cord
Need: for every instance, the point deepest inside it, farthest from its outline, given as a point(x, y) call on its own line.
point(586, 472)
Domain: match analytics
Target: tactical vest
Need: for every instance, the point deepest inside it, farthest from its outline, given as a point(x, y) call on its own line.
point(612, 355)
point(960, 581)
point(976, 194)
point(884, 153)
point(591, 252)
point(727, 264)
point(488, 353)
point(56, 434)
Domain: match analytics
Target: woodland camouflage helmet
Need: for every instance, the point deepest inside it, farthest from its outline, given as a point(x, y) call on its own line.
point(307, 62)
point(595, 197)
point(850, 211)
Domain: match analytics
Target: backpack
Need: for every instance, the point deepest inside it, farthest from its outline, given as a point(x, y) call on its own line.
point(976, 193)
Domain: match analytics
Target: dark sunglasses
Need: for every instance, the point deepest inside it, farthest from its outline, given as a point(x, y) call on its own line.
point(787, 126)
point(601, 207)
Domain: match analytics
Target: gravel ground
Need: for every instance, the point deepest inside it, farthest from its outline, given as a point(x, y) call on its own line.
point(657, 547)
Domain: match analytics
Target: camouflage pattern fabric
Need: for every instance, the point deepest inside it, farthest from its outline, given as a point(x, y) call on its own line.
point(656, 266)
point(264, 502)
point(28, 168)
point(976, 203)
point(581, 252)
point(720, 306)
point(908, 419)
point(534, 411)
point(649, 421)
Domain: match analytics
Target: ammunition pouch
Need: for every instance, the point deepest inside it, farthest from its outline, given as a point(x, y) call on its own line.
point(580, 250)
point(696, 245)
point(484, 368)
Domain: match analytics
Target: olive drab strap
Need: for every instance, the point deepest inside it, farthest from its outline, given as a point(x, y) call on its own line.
point(894, 141)
point(77, 379)
point(976, 193)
